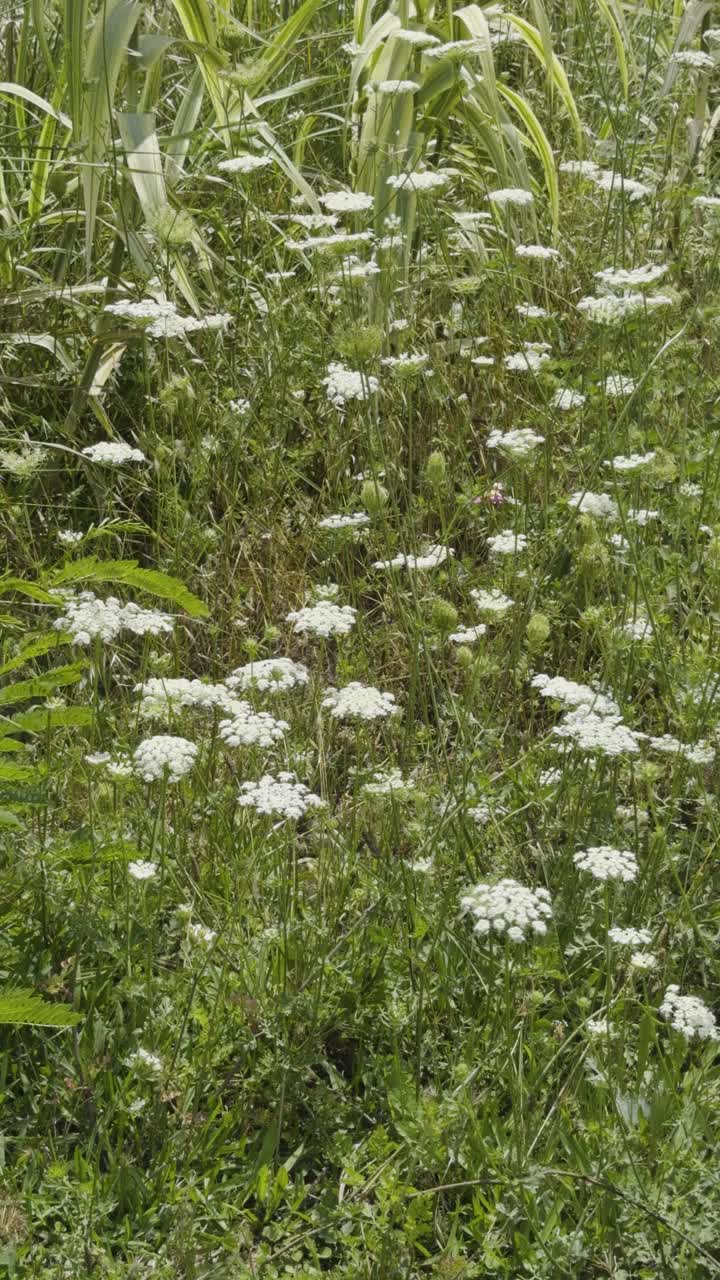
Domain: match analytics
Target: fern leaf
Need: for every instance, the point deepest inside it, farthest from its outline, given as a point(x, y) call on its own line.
point(129, 572)
point(23, 1007)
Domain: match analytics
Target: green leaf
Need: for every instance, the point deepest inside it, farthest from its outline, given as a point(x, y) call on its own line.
point(40, 686)
point(40, 719)
point(540, 145)
point(128, 571)
point(23, 1007)
point(9, 89)
point(10, 772)
point(30, 589)
point(46, 643)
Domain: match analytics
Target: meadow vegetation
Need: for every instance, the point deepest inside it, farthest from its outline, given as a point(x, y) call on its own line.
point(359, 613)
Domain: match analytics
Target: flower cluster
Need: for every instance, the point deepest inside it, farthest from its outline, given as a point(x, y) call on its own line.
point(113, 453)
point(164, 756)
point(605, 863)
point(249, 728)
point(345, 384)
point(688, 1015)
point(87, 617)
point(269, 675)
point(508, 908)
point(323, 619)
point(519, 443)
point(282, 796)
point(360, 702)
point(430, 558)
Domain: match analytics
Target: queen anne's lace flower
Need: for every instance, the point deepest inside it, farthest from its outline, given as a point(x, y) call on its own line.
point(269, 675)
point(87, 617)
point(360, 702)
point(245, 163)
point(161, 696)
point(636, 278)
point(420, 180)
point(140, 870)
point(511, 197)
point(616, 184)
point(589, 731)
point(395, 86)
point(572, 694)
point(518, 443)
point(347, 201)
point(249, 728)
point(541, 252)
point(688, 1015)
point(164, 756)
point(492, 601)
point(346, 384)
point(430, 558)
point(507, 543)
point(630, 937)
point(508, 908)
point(631, 461)
point(346, 520)
point(283, 796)
point(468, 635)
point(599, 505)
point(527, 361)
point(323, 619)
point(606, 863)
point(566, 399)
point(113, 453)
point(618, 385)
point(389, 783)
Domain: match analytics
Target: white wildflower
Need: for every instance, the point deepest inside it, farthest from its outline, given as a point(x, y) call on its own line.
point(639, 629)
point(248, 162)
point(164, 756)
point(642, 961)
point(580, 168)
point(519, 443)
point(430, 558)
point(281, 796)
point(688, 1015)
point(346, 520)
point(605, 863)
point(571, 694)
point(566, 399)
point(357, 701)
point(492, 601)
point(468, 635)
point(345, 384)
point(420, 180)
point(527, 361)
point(323, 619)
point(387, 783)
point(635, 278)
point(508, 908)
point(592, 732)
point(347, 201)
point(511, 197)
point(142, 1059)
point(394, 87)
point(141, 870)
point(249, 728)
point(541, 252)
point(618, 385)
point(616, 184)
point(630, 937)
point(695, 59)
point(507, 543)
point(269, 675)
point(113, 453)
point(599, 505)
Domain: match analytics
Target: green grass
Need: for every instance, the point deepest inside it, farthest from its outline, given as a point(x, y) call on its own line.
point(337, 1076)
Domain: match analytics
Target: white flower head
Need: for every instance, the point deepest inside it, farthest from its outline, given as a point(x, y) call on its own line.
point(430, 558)
point(248, 162)
point(323, 619)
point(269, 675)
point(347, 201)
point(344, 520)
point(588, 731)
point(630, 937)
point(113, 453)
point(688, 1015)
point(492, 601)
point(599, 505)
point(345, 384)
point(468, 635)
point(508, 908)
point(605, 863)
point(250, 728)
point(164, 756)
point(566, 399)
point(358, 701)
point(539, 252)
point(507, 543)
point(282, 796)
point(518, 443)
point(420, 181)
point(140, 870)
point(511, 197)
